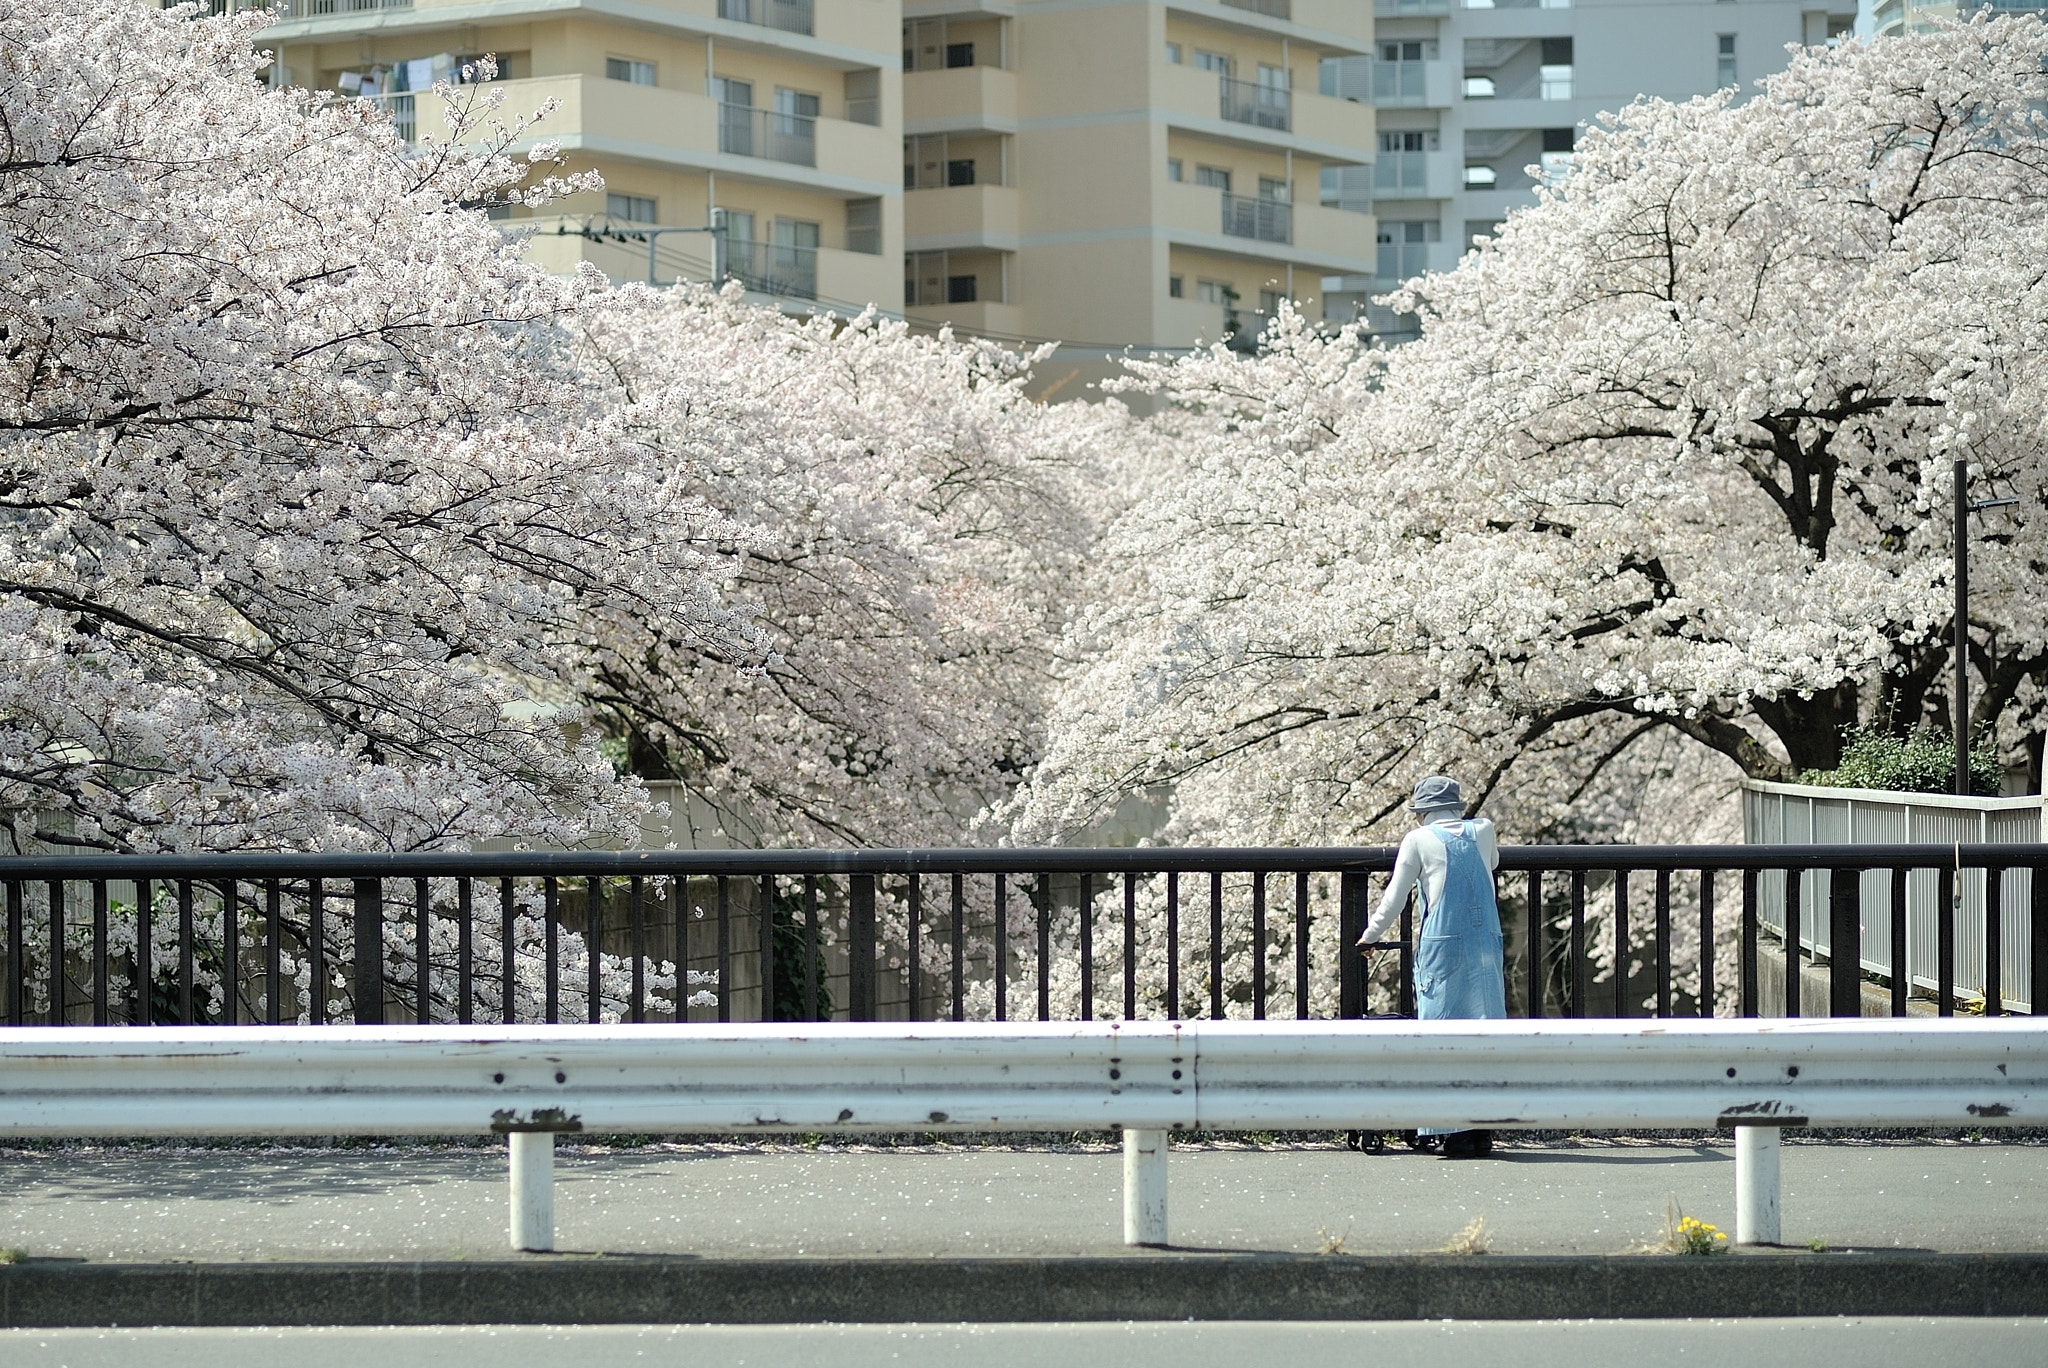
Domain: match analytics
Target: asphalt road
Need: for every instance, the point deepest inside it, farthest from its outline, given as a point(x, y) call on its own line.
point(423, 1203)
point(1887, 1343)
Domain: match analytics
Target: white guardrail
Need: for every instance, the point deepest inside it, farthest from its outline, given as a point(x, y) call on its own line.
point(1145, 1078)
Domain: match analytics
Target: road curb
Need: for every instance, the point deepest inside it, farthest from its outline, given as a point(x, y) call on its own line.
point(631, 1290)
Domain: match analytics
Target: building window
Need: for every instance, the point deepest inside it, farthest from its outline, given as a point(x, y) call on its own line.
point(959, 55)
point(629, 208)
point(1724, 60)
point(1173, 168)
point(960, 171)
point(1404, 247)
point(1217, 177)
point(1479, 177)
point(1557, 152)
point(1479, 87)
point(630, 70)
point(864, 226)
point(1269, 302)
point(1554, 76)
point(1212, 61)
point(960, 289)
point(1173, 287)
point(1173, 54)
point(864, 96)
point(1214, 292)
point(1271, 188)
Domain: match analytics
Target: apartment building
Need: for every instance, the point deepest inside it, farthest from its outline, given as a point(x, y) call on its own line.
point(755, 139)
point(1145, 173)
point(1881, 18)
point(1477, 102)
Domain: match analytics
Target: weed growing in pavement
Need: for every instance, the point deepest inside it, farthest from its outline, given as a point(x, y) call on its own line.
point(13, 1256)
point(1697, 1237)
point(1473, 1239)
point(1817, 1245)
point(1332, 1244)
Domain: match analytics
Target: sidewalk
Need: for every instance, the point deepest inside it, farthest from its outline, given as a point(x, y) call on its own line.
point(721, 1202)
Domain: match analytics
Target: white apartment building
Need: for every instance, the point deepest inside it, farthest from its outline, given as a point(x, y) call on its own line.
point(1882, 18)
point(1472, 94)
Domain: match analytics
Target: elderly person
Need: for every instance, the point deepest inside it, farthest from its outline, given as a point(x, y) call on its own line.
point(1449, 859)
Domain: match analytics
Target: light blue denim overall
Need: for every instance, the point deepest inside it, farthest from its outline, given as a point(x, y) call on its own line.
point(1459, 971)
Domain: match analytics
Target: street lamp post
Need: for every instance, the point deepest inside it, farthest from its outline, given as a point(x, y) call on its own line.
point(1964, 508)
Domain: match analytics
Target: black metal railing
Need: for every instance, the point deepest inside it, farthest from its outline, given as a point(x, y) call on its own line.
point(1249, 102)
point(1004, 935)
point(1258, 217)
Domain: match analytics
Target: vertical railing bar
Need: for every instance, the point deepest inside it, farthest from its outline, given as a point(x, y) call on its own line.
point(1130, 946)
point(593, 948)
point(17, 958)
point(508, 966)
point(768, 1005)
point(1795, 892)
point(1947, 892)
point(58, 1003)
point(1845, 928)
point(1902, 978)
point(2038, 985)
point(679, 921)
point(1621, 944)
point(550, 905)
point(1258, 946)
point(1576, 976)
point(1532, 948)
point(1087, 911)
point(231, 952)
point(1663, 896)
point(145, 968)
point(636, 926)
point(1994, 952)
point(1749, 1006)
point(273, 952)
point(1042, 899)
point(959, 947)
point(810, 947)
point(1001, 948)
point(465, 953)
point(99, 952)
point(422, 951)
point(316, 951)
point(913, 978)
point(1405, 1002)
point(1706, 993)
point(724, 958)
point(185, 954)
point(1301, 945)
point(1173, 945)
point(1216, 945)
point(1354, 984)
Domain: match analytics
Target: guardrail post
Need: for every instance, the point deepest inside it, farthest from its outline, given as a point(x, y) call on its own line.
point(1144, 1187)
point(860, 947)
point(369, 978)
point(1756, 1185)
point(533, 1190)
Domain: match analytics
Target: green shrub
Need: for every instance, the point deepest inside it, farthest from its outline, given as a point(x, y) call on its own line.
point(1924, 762)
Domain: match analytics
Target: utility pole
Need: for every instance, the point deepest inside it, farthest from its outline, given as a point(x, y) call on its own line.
point(1964, 508)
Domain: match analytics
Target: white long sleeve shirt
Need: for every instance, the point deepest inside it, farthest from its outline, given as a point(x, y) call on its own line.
point(1422, 860)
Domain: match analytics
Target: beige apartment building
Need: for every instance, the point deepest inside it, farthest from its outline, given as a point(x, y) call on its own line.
point(1129, 172)
point(1107, 173)
point(776, 122)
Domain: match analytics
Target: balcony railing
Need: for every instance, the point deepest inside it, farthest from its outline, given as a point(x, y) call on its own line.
point(1398, 174)
point(1273, 9)
point(1262, 106)
point(747, 132)
point(1398, 83)
point(791, 16)
point(771, 268)
point(1258, 218)
point(1398, 8)
point(404, 119)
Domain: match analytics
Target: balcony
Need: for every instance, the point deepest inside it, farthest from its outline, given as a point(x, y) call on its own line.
point(1401, 9)
point(1412, 85)
point(308, 9)
point(1272, 9)
point(771, 268)
point(1414, 175)
point(1261, 106)
point(959, 98)
point(747, 132)
point(791, 16)
point(1257, 218)
point(962, 215)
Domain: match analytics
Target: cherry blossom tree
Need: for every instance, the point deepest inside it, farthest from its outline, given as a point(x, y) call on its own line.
point(1658, 499)
point(306, 498)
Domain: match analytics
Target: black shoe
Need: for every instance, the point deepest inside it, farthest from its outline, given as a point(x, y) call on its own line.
point(1471, 1144)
